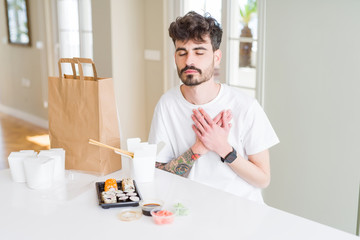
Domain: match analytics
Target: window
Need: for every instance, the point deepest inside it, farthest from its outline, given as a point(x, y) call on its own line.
point(75, 31)
point(243, 39)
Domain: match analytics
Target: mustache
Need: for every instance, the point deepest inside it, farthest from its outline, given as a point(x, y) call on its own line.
point(190, 67)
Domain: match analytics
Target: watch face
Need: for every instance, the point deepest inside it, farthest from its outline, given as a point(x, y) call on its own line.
point(231, 156)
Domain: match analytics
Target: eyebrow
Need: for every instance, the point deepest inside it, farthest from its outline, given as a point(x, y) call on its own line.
point(197, 48)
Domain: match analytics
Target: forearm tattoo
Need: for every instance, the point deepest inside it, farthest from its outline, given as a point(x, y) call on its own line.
point(181, 165)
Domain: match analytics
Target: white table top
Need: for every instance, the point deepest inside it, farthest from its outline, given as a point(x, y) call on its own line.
point(71, 211)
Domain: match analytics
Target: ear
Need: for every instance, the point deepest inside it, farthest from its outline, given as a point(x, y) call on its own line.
point(217, 57)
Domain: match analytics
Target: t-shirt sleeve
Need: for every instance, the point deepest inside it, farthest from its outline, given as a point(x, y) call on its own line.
point(158, 134)
point(259, 134)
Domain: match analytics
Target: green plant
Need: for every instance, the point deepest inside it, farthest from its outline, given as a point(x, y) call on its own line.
point(247, 11)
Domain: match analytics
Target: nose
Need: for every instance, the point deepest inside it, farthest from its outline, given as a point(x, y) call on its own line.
point(190, 60)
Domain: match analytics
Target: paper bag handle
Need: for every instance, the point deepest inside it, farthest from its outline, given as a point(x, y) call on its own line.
point(67, 60)
point(87, 60)
point(78, 61)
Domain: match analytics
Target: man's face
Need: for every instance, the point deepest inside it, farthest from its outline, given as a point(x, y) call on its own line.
point(195, 61)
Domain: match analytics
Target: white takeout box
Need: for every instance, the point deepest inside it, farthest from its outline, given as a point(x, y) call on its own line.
point(39, 172)
point(16, 164)
point(143, 163)
point(58, 154)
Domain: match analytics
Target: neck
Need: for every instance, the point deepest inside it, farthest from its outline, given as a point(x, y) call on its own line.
point(201, 94)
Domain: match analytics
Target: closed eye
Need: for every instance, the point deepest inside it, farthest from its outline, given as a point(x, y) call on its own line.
point(181, 52)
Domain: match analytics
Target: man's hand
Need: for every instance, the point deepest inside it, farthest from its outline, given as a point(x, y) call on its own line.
point(220, 121)
point(212, 133)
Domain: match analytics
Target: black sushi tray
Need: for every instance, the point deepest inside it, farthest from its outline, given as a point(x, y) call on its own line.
point(128, 203)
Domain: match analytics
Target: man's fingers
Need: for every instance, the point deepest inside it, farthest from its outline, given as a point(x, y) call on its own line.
point(228, 115)
point(197, 132)
point(218, 118)
point(206, 116)
point(198, 124)
point(222, 119)
point(226, 118)
point(201, 120)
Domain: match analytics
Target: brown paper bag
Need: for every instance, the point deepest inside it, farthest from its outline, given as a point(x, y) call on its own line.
point(83, 108)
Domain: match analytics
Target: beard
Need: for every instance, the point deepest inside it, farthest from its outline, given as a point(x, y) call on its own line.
point(191, 80)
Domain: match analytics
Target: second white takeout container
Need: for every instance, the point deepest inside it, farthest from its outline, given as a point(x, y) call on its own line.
point(39, 172)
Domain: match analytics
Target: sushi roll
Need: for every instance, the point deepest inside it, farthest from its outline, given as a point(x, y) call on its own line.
point(120, 195)
point(109, 199)
point(118, 192)
point(107, 195)
point(131, 194)
point(123, 198)
point(127, 185)
point(134, 199)
point(129, 191)
point(110, 185)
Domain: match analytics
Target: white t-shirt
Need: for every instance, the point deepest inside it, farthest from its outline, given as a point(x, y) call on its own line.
point(251, 133)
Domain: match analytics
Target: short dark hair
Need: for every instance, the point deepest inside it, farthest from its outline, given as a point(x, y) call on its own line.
point(193, 26)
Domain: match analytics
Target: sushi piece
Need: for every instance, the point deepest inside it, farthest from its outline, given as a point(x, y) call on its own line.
point(107, 195)
point(127, 185)
point(120, 195)
point(118, 192)
point(123, 199)
point(134, 199)
point(129, 191)
point(110, 185)
point(131, 194)
point(109, 198)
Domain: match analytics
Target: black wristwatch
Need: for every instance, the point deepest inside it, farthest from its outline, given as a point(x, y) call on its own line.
point(230, 157)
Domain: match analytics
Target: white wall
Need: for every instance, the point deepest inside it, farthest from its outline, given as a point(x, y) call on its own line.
point(137, 26)
point(127, 18)
point(155, 29)
point(102, 47)
point(312, 83)
point(19, 62)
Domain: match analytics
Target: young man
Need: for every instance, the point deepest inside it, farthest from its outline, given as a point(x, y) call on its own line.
point(213, 133)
